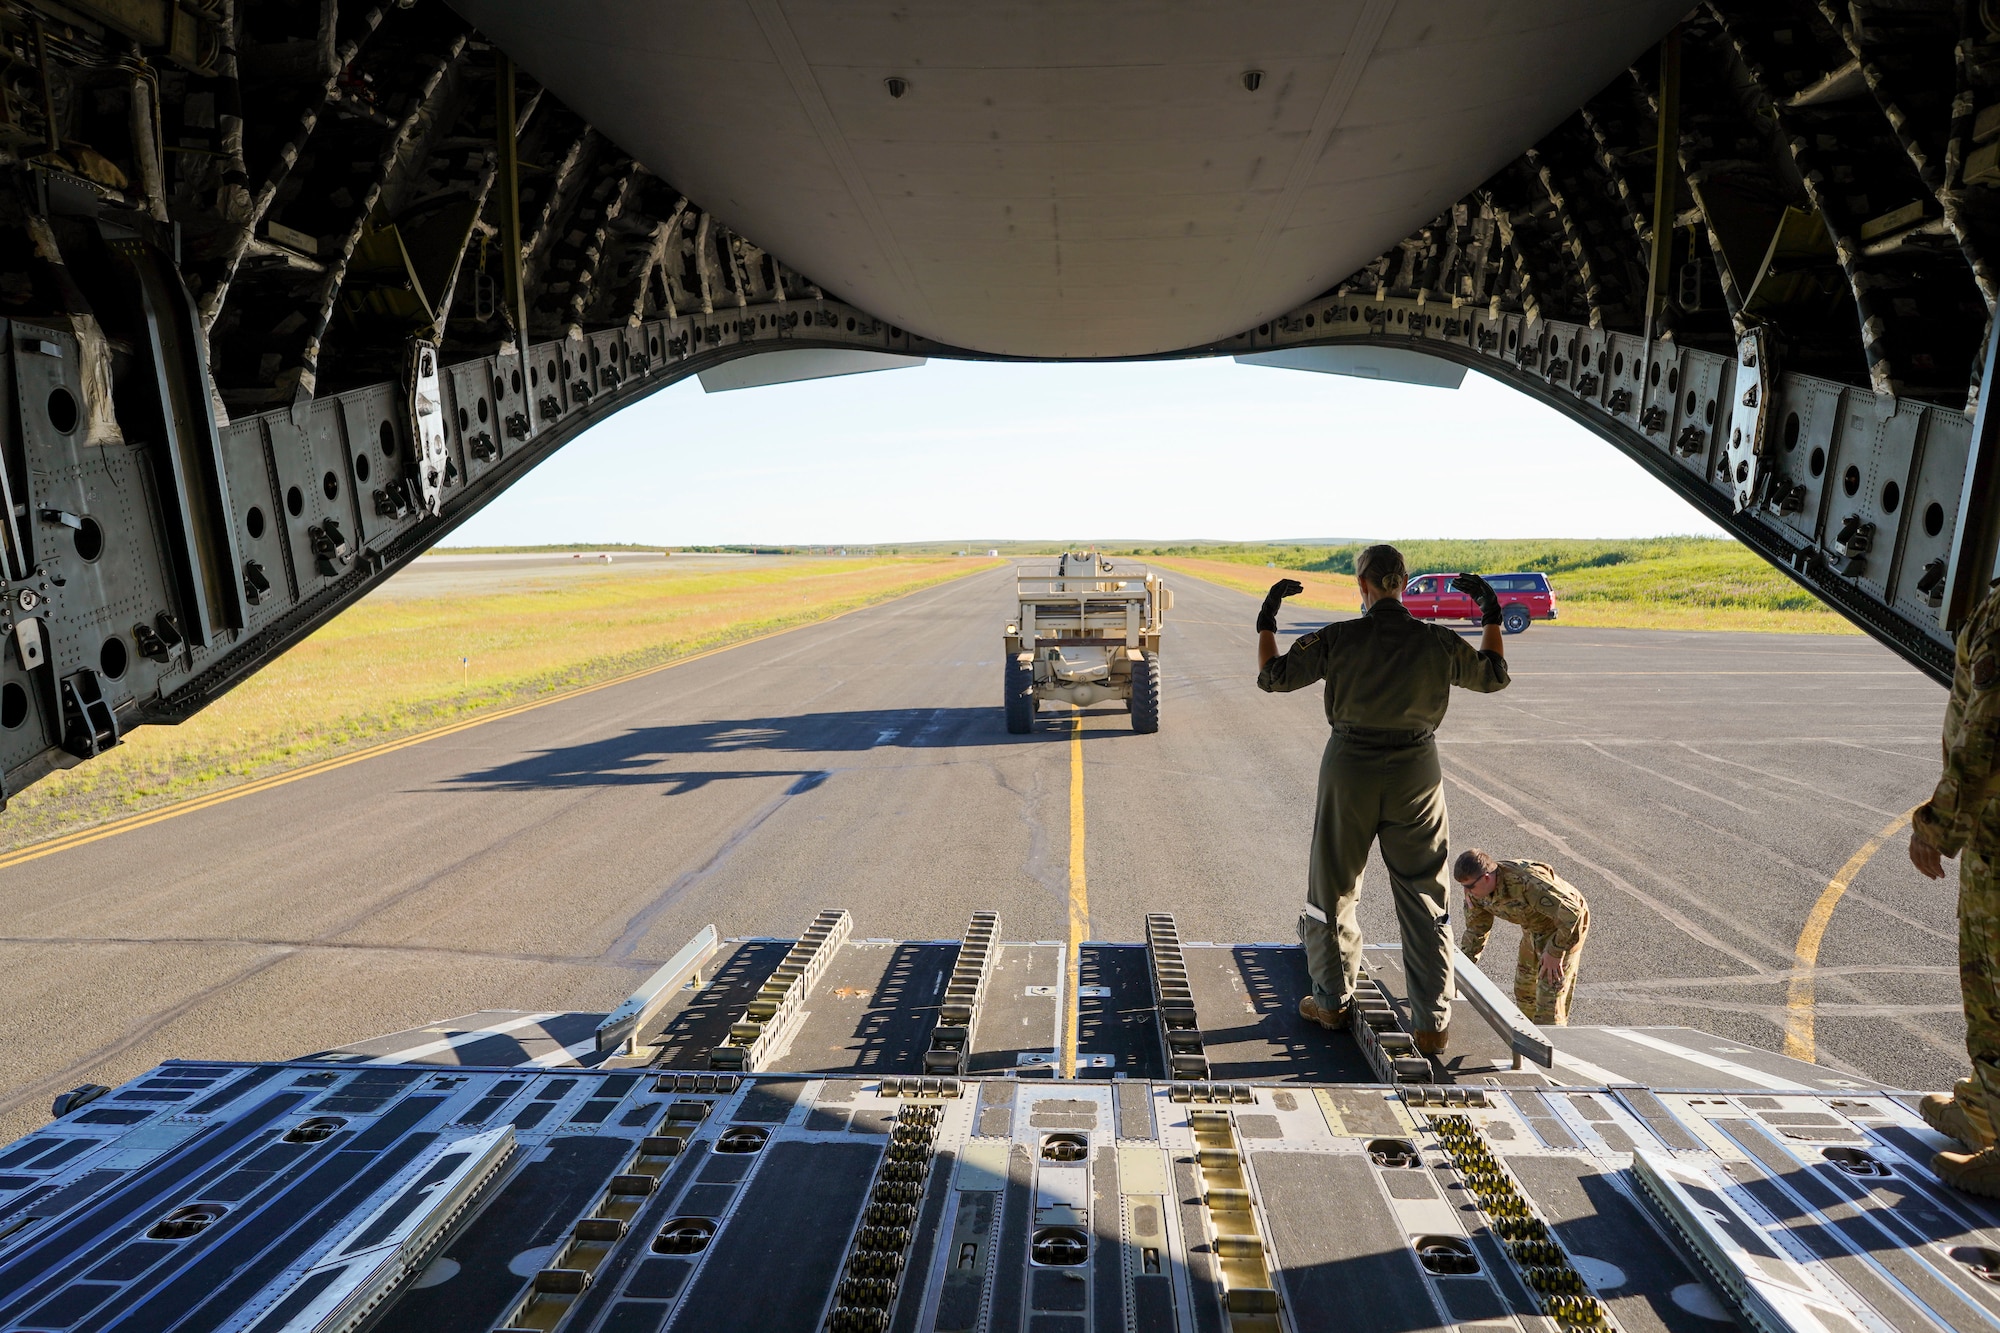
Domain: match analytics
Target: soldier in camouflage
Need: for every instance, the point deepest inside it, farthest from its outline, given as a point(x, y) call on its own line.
point(1963, 816)
point(1552, 915)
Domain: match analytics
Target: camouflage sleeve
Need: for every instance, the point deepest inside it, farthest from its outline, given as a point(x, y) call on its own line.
point(1560, 904)
point(1473, 668)
point(1298, 666)
point(1478, 925)
point(1971, 728)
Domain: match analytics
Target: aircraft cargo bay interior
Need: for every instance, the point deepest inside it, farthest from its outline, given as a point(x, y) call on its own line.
point(997, 936)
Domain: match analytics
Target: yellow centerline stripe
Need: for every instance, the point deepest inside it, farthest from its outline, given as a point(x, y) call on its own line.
point(1799, 1043)
point(83, 837)
point(1079, 893)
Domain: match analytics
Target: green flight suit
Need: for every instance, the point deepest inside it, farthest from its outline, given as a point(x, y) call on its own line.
point(1388, 679)
point(1963, 816)
point(1551, 914)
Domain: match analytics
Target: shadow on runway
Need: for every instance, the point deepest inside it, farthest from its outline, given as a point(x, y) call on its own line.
point(633, 758)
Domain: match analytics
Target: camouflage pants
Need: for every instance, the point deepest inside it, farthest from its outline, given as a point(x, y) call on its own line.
point(1546, 1004)
point(1979, 966)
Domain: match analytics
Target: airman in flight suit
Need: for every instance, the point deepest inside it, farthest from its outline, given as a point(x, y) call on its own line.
point(1552, 915)
point(1963, 816)
point(1388, 680)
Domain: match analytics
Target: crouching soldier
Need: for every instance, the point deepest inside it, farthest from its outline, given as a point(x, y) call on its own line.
point(1552, 915)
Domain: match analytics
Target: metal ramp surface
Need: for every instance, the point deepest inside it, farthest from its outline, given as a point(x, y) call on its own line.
point(611, 1174)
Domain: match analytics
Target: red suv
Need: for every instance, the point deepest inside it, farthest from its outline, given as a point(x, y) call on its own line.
point(1523, 598)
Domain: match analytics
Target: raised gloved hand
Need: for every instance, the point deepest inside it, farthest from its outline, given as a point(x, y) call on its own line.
point(1267, 615)
point(1480, 591)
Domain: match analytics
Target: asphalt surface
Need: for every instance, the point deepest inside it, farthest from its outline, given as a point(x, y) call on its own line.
point(1701, 789)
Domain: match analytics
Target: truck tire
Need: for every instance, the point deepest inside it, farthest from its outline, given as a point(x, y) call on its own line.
point(1146, 694)
point(1515, 619)
point(1018, 691)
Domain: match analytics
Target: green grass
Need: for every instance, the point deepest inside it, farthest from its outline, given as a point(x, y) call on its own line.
point(1656, 582)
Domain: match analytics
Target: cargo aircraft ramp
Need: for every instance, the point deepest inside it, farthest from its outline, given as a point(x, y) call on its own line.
point(721, 1153)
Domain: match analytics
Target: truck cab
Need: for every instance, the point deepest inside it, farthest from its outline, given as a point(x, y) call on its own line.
point(1524, 599)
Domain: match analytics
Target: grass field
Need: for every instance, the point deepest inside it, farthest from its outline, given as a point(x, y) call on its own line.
point(1694, 583)
point(392, 667)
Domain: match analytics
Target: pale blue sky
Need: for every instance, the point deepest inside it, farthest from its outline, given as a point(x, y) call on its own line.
point(1154, 450)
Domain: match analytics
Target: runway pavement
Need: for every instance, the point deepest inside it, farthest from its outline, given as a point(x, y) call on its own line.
point(1702, 789)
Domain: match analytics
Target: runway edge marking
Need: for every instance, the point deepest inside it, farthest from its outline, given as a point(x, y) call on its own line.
point(1799, 1040)
point(83, 837)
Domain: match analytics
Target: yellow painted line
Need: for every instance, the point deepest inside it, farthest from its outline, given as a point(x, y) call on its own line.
point(1079, 893)
point(98, 833)
point(1799, 994)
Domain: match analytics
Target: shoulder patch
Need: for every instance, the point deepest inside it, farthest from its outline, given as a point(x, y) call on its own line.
point(1986, 672)
point(1308, 640)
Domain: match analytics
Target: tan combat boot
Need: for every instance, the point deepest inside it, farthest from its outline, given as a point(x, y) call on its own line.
point(1961, 1116)
point(1973, 1172)
point(1333, 1020)
point(1433, 1043)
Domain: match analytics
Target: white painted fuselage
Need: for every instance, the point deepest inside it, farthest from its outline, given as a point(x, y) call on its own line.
point(1046, 178)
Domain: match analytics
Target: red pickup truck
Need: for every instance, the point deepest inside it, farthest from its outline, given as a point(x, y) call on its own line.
point(1523, 598)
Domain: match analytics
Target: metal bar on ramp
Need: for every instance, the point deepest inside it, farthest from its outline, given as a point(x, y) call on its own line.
point(621, 1026)
point(1497, 1007)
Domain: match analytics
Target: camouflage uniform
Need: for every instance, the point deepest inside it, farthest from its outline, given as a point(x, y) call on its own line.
point(1388, 679)
point(1963, 816)
point(1551, 915)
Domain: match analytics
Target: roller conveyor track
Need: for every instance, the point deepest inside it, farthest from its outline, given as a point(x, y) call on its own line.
point(769, 1019)
point(958, 1013)
point(1173, 998)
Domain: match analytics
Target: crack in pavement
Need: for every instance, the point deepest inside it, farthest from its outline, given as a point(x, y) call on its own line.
point(636, 927)
point(1796, 782)
point(1668, 778)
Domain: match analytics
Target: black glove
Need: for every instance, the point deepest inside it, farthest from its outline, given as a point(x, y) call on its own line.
point(1267, 615)
point(1480, 591)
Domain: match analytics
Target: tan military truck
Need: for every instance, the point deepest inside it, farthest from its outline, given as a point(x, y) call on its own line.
point(1085, 631)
